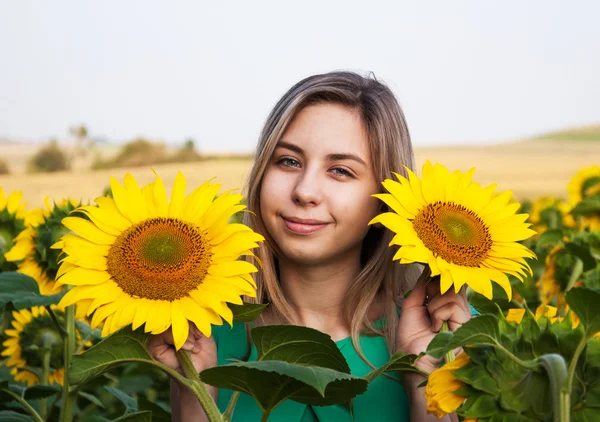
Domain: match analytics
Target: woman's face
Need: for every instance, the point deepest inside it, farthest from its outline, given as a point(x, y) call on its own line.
point(316, 193)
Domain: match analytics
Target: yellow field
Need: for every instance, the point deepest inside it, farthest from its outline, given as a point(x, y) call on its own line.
point(530, 169)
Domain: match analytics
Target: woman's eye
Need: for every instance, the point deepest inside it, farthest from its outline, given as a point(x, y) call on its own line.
point(338, 171)
point(288, 162)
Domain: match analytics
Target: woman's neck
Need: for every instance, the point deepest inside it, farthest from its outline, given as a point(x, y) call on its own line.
point(317, 293)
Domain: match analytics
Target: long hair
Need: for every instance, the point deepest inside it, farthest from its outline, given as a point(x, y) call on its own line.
point(390, 148)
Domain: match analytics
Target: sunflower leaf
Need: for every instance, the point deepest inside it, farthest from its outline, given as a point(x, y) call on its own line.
point(399, 362)
point(119, 348)
point(298, 345)
point(129, 402)
point(143, 416)
point(582, 253)
point(23, 292)
point(10, 416)
point(270, 382)
point(588, 206)
point(584, 302)
point(40, 392)
point(247, 312)
point(550, 238)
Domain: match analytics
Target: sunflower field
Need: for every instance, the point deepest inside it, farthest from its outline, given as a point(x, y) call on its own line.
point(83, 287)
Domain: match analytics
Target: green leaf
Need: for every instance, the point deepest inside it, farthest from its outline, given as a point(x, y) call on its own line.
point(479, 406)
point(582, 253)
point(399, 362)
point(92, 399)
point(478, 378)
point(158, 413)
point(550, 238)
point(23, 292)
point(586, 414)
point(271, 382)
point(584, 302)
point(121, 347)
point(588, 206)
point(10, 416)
point(438, 346)
point(299, 345)
point(528, 330)
point(40, 392)
point(483, 330)
point(129, 402)
point(247, 312)
point(144, 416)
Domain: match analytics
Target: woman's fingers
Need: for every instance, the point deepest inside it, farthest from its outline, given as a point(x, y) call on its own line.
point(451, 312)
point(440, 300)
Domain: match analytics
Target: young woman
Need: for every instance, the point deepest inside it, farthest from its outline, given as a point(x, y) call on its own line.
point(323, 152)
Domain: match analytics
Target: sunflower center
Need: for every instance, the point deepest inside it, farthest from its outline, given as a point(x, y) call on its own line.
point(159, 259)
point(454, 233)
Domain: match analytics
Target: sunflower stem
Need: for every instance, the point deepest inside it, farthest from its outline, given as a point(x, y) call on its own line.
point(198, 388)
point(565, 393)
point(556, 368)
point(449, 356)
point(59, 327)
point(231, 406)
point(44, 380)
point(66, 410)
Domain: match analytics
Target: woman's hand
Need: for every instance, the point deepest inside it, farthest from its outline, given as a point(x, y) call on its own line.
point(203, 350)
point(419, 323)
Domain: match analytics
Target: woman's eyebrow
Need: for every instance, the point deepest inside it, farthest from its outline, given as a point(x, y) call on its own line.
point(330, 157)
point(346, 156)
point(291, 147)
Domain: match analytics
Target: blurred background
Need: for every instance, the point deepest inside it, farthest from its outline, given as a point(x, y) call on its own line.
point(89, 90)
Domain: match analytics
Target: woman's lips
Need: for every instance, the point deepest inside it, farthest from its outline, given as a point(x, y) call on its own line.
point(298, 226)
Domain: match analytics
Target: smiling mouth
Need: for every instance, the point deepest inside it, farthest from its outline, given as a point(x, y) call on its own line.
point(303, 227)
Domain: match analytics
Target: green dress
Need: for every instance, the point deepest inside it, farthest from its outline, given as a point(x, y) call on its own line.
point(385, 399)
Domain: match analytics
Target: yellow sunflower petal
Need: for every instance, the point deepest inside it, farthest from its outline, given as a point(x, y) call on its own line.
point(88, 230)
point(177, 195)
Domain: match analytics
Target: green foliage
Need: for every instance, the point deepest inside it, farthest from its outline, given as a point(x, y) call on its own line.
point(23, 292)
point(48, 159)
point(295, 363)
point(517, 370)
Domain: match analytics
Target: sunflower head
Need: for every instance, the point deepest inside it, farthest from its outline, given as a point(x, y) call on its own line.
point(140, 259)
point(12, 216)
point(550, 212)
point(456, 227)
point(442, 386)
point(32, 330)
point(32, 249)
point(585, 183)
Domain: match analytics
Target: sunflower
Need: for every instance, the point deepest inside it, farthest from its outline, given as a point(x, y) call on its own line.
point(457, 228)
point(541, 214)
point(143, 260)
point(583, 184)
point(517, 314)
point(441, 388)
point(12, 215)
point(548, 285)
point(32, 329)
point(32, 249)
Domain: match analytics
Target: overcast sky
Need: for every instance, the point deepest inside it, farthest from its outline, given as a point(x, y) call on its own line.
point(465, 72)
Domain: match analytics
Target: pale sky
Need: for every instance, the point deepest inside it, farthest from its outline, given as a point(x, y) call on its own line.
point(465, 72)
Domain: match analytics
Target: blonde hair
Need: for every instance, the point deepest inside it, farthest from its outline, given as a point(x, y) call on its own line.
point(390, 148)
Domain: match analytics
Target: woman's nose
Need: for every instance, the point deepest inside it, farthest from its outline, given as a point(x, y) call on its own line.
point(308, 190)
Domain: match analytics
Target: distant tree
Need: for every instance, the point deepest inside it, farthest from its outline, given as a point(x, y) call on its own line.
point(4, 167)
point(49, 158)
